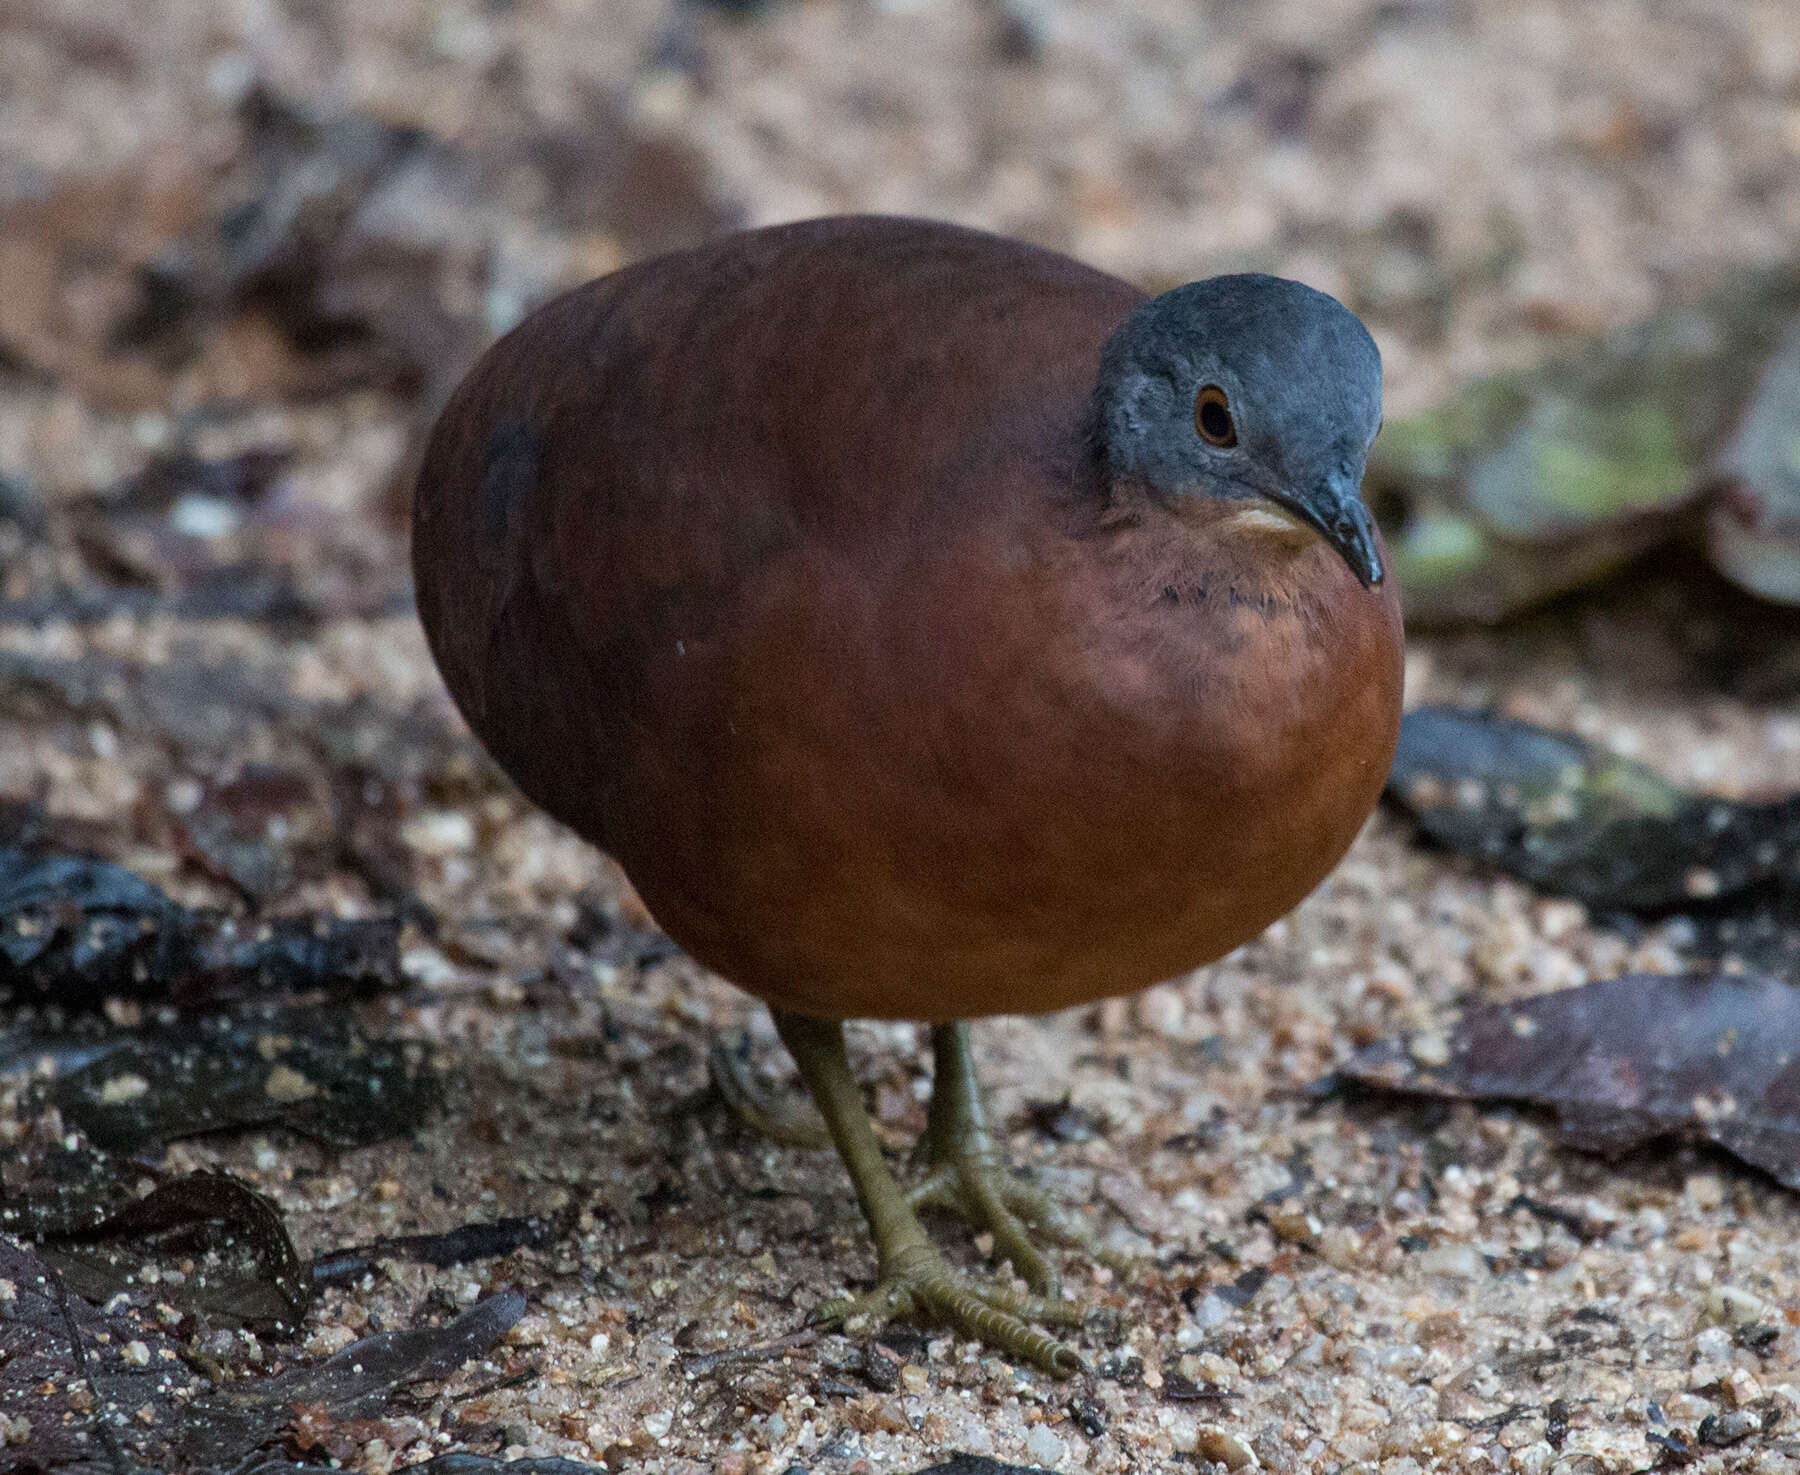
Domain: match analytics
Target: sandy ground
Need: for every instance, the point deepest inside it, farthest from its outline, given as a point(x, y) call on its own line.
point(1345, 1287)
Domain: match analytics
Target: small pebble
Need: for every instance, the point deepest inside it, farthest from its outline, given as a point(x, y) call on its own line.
point(1453, 1259)
point(1720, 1430)
point(1741, 1388)
point(1705, 1190)
point(1730, 1306)
point(1043, 1448)
point(440, 832)
point(1210, 1311)
point(1430, 1049)
point(1225, 1448)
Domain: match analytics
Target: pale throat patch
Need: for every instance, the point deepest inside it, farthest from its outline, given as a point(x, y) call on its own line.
point(1267, 523)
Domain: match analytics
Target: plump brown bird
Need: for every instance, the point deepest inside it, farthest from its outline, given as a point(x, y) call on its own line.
point(933, 627)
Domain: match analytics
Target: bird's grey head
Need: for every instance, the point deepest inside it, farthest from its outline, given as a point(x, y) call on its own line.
point(1248, 386)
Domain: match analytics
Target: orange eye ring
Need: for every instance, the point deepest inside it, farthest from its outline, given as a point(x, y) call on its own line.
point(1212, 417)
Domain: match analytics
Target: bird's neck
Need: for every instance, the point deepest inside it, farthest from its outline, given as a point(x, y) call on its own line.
point(1246, 542)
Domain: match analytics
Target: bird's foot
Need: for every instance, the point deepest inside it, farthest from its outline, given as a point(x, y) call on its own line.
point(965, 1173)
point(918, 1284)
point(978, 1188)
point(968, 1176)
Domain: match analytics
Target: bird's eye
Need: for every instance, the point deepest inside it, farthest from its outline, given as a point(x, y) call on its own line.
point(1212, 417)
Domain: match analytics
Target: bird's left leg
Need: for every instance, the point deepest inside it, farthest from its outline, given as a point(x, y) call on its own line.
point(968, 1174)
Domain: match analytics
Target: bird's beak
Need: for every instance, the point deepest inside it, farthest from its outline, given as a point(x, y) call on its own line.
point(1334, 506)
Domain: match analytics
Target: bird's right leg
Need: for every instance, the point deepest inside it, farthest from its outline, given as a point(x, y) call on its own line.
point(912, 1276)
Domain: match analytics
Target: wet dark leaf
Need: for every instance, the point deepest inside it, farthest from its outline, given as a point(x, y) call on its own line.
point(51, 1188)
point(1573, 819)
point(454, 1247)
point(463, 1463)
point(239, 1265)
point(310, 1070)
point(148, 1405)
point(223, 1426)
point(1714, 1057)
point(75, 931)
point(41, 1379)
point(979, 1465)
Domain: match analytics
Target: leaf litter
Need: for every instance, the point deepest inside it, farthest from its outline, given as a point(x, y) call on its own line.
point(1623, 1062)
point(78, 1384)
point(1575, 820)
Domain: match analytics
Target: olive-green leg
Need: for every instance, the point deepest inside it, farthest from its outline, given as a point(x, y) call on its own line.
point(968, 1174)
point(912, 1277)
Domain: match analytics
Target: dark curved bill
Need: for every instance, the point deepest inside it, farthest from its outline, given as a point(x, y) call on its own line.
point(1334, 506)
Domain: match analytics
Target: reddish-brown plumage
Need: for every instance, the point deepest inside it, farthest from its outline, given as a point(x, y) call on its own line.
point(782, 570)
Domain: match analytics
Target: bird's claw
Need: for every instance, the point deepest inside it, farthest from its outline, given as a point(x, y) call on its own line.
point(986, 1196)
point(920, 1285)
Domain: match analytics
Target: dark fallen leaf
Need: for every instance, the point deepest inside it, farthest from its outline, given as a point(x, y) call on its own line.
point(1180, 1389)
point(41, 1381)
point(139, 1396)
point(306, 251)
point(223, 1426)
point(310, 1070)
point(372, 248)
point(51, 1188)
point(961, 1464)
point(1568, 817)
point(76, 931)
point(463, 1463)
point(293, 954)
point(1714, 1057)
point(454, 1247)
point(237, 1264)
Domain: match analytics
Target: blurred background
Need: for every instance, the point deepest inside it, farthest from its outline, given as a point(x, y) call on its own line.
point(249, 245)
point(246, 249)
